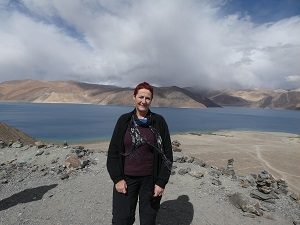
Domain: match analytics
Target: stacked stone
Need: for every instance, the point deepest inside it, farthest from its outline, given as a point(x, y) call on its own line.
point(282, 186)
point(229, 171)
point(175, 146)
point(268, 187)
point(265, 182)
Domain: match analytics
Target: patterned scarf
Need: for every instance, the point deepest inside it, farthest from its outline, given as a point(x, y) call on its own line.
point(138, 140)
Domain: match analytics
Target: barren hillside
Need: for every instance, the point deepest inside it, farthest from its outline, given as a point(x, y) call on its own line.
point(76, 92)
point(10, 134)
point(259, 98)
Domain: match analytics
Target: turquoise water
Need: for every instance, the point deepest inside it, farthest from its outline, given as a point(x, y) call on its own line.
point(80, 122)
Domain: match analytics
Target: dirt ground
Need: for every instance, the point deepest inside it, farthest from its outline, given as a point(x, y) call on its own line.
point(252, 151)
point(85, 197)
point(278, 153)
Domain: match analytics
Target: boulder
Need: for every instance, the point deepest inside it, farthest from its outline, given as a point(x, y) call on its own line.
point(4, 181)
point(176, 149)
point(184, 171)
point(175, 146)
point(294, 196)
point(73, 162)
point(262, 196)
point(39, 152)
point(216, 182)
point(176, 143)
point(242, 202)
point(2, 144)
point(17, 144)
point(64, 176)
point(215, 173)
point(296, 222)
point(180, 159)
point(54, 160)
point(40, 144)
point(196, 174)
point(10, 143)
point(282, 186)
point(3, 174)
point(199, 162)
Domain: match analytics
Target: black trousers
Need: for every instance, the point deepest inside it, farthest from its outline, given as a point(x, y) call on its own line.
point(124, 205)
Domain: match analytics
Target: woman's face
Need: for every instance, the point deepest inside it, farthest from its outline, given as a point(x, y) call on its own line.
point(142, 101)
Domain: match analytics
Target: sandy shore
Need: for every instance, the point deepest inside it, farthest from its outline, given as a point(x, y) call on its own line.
point(278, 153)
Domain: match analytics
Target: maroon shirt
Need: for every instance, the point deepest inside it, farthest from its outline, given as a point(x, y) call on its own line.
point(140, 162)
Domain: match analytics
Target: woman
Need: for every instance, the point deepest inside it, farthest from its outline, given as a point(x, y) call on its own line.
point(139, 160)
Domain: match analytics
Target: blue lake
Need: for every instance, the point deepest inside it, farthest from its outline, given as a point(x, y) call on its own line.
point(80, 122)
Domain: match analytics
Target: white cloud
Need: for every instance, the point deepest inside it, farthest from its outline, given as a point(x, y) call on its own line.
point(184, 43)
point(293, 78)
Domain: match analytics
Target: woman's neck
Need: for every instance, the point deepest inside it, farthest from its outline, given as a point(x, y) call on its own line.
point(141, 115)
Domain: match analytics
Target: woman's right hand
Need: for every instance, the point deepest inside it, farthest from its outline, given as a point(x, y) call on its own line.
point(121, 186)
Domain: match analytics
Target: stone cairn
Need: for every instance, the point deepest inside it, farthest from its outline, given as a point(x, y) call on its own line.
point(176, 146)
point(268, 188)
point(229, 171)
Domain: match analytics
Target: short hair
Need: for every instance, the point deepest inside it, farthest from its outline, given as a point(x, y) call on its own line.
point(143, 85)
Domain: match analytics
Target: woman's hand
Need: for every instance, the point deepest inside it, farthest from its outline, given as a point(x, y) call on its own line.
point(121, 186)
point(158, 191)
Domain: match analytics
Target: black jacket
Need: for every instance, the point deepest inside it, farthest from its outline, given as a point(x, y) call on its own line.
point(115, 160)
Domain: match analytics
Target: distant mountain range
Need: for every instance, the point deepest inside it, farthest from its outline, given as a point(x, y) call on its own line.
point(40, 91)
point(258, 98)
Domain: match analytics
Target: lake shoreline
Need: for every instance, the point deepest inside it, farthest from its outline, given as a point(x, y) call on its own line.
point(81, 123)
point(195, 132)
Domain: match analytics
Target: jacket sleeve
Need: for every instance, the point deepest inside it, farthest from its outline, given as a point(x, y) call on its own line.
point(164, 172)
point(114, 158)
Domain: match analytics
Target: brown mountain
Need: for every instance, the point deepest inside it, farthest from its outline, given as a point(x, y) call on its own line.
point(75, 92)
point(287, 99)
point(260, 98)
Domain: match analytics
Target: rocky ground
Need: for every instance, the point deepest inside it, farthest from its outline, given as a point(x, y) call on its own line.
point(53, 184)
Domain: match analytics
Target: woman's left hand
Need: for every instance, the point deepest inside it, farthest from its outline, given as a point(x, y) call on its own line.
point(158, 191)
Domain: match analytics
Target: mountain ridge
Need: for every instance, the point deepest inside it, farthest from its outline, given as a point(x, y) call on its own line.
point(255, 98)
point(39, 91)
point(42, 91)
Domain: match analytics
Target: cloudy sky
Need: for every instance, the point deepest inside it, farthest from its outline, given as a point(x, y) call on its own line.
point(206, 43)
